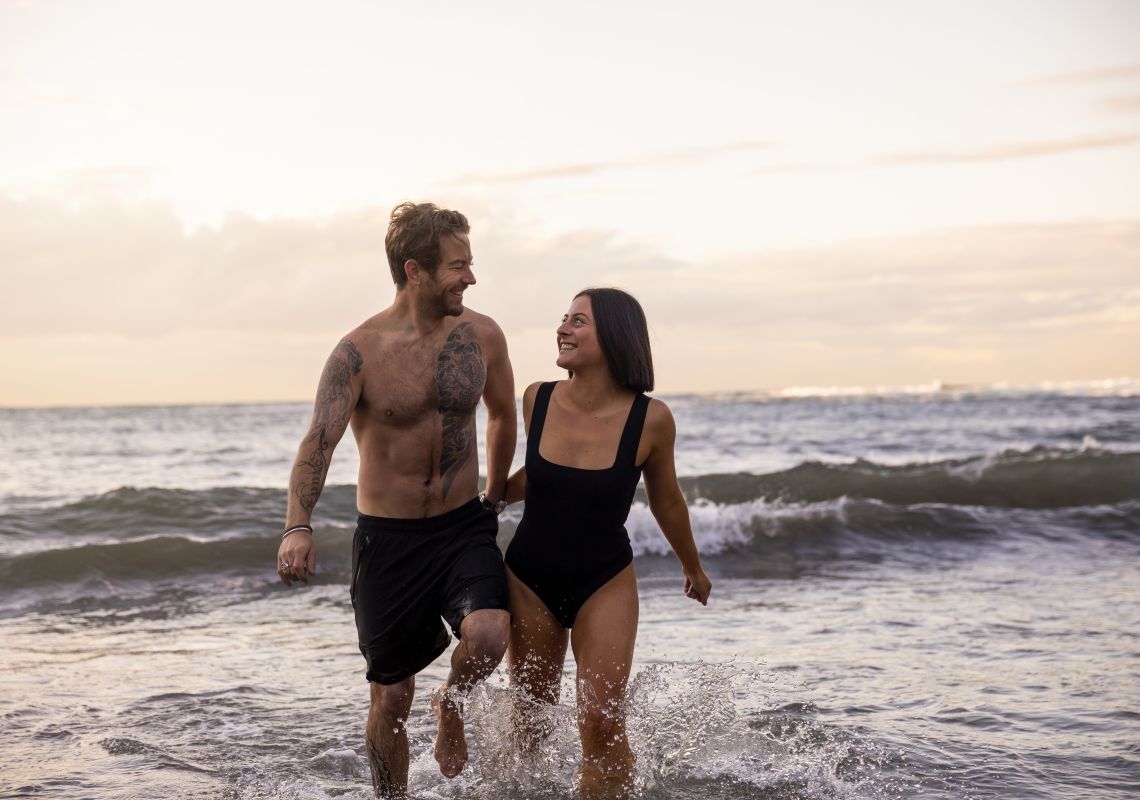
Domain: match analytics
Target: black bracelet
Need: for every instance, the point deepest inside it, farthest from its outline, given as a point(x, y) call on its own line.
point(296, 528)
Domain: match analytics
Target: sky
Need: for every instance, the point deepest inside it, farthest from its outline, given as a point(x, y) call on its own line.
point(194, 196)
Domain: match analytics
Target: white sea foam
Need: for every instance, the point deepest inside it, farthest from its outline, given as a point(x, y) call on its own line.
point(932, 387)
point(1090, 443)
point(719, 527)
point(1107, 387)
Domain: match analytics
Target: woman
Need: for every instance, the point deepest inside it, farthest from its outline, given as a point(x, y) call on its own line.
point(570, 565)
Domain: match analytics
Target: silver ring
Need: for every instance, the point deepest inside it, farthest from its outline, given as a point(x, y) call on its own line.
point(283, 565)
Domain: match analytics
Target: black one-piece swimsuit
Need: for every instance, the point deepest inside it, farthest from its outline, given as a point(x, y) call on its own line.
point(572, 536)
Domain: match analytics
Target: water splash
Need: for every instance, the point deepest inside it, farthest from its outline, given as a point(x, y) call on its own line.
point(717, 730)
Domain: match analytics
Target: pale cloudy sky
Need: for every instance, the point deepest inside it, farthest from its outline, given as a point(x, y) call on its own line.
point(193, 197)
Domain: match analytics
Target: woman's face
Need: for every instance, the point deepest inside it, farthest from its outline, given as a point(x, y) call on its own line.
point(578, 343)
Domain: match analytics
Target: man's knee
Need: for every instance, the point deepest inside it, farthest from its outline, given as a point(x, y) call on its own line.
point(486, 633)
point(393, 701)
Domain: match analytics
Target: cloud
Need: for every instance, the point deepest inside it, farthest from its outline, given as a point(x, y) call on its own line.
point(99, 267)
point(1010, 151)
point(994, 152)
point(985, 280)
point(793, 167)
point(111, 302)
point(591, 168)
point(1130, 102)
point(978, 304)
point(1095, 75)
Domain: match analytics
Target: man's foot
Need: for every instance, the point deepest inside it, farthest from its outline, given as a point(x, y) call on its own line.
point(450, 743)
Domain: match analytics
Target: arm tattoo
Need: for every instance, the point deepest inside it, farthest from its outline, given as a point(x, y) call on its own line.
point(459, 377)
point(332, 411)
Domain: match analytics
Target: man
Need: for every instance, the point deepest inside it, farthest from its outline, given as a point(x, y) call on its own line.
point(409, 380)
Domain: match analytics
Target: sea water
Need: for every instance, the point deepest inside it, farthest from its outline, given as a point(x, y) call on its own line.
point(925, 593)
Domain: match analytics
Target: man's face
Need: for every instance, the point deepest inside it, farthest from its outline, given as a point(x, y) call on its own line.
point(452, 275)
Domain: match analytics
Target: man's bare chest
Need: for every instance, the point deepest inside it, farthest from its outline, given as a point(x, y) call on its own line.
point(406, 385)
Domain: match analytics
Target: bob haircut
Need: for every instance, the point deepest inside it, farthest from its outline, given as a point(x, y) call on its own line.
point(414, 232)
point(624, 336)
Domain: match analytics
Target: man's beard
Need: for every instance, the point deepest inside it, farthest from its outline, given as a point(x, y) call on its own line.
point(440, 304)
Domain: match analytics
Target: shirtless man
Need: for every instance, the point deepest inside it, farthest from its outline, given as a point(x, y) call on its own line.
point(408, 380)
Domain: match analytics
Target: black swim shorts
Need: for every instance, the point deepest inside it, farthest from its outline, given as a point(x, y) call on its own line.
point(408, 573)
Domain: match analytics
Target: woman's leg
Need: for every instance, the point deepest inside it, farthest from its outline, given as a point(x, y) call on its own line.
point(603, 638)
point(535, 656)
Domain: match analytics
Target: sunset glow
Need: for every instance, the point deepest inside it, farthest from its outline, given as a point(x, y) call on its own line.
point(193, 198)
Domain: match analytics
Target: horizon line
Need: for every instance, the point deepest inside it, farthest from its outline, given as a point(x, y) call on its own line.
point(1106, 386)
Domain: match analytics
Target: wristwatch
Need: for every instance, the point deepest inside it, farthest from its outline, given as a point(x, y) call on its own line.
point(497, 508)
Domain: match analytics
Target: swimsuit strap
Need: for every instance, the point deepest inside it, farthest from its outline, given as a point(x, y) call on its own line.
point(538, 415)
point(631, 434)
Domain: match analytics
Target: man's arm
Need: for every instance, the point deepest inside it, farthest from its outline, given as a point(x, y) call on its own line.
point(516, 484)
point(337, 395)
point(502, 422)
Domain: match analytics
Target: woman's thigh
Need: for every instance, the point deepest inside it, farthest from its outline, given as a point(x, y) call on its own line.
point(603, 638)
point(538, 643)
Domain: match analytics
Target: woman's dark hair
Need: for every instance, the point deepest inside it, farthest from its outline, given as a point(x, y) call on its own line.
point(624, 336)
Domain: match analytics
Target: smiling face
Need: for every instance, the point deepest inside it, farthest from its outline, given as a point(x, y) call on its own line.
point(578, 344)
point(444, 288)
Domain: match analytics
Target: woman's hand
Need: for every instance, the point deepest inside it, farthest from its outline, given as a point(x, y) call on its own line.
point(698, 586)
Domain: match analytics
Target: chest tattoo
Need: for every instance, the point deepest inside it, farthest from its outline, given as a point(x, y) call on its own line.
point(459, 377)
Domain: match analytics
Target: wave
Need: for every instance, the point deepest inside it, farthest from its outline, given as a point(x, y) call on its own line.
point(1039, 478)
point(1043, 477)
point(816, 511)
point(848, 527)
point(129, 511)
point(157, 558)
point(758, 537)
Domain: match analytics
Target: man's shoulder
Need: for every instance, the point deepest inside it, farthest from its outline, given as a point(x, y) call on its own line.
point(482, 326)
point(477, 320)
point(361, 345)
point(369, 330)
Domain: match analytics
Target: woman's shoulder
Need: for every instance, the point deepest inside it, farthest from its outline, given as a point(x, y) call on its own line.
point(657, 408)
point(532, 390)
point(658, 417)
point(530, 393)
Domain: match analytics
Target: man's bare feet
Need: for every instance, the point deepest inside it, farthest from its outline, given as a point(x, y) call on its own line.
point(450, 742)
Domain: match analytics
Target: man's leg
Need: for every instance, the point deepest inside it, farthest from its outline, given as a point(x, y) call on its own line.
point(483, 640)
point(387, 737)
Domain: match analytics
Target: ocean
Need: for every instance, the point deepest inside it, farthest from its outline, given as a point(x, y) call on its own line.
point(921, 593)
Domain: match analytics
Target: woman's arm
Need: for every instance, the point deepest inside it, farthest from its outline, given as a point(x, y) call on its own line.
point(667, 502)
point(516, 486)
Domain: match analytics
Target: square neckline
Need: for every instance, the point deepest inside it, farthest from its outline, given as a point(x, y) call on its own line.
point(621, 437)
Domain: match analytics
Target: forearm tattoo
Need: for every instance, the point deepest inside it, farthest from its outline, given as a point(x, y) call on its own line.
point(460, 377)
point(331, 413)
